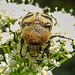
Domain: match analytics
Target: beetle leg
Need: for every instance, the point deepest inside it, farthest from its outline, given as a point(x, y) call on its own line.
point(46, 49)
point(22, 42)
point(61, 37)
point(28, 49)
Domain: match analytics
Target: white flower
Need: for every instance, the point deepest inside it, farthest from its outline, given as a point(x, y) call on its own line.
point(74, 42)
point(68, 48)
point(2, 2)
point(58, 64)
point(14, 28)
point(18, 65)
point(45, 60)
point(3, 17)
point(7, 29)
point(49, 72)
point(39, 68)
point(45, 68)
point(10, 62)
point(39, 74)
point(7, 67)
point(3, 34)
point(2, 74)
point(14, 68)
point(6, 37)
point(44, 72)
point(68, 56)
point(7, 71)
point(11, 36)
point(0, 30)
point(1, 57)
point(0, 42)
point(66, 27)
point(20, 8)
point(7, 57)
point(32, 8)
point(13, 53)
point(3, 40)
point(54, 62)
point(2, 66)
point(54, 49)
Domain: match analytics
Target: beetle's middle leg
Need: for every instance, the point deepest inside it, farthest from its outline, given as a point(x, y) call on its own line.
point(46, 49)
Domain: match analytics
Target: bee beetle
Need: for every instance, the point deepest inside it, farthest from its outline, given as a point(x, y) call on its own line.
point(36, 33)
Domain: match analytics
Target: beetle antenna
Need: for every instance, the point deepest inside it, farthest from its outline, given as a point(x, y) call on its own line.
point(54, 19)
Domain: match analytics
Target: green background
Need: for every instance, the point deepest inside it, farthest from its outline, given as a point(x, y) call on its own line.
point(67, 68)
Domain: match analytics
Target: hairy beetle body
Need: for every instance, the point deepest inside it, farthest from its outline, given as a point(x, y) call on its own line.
point(36, 31)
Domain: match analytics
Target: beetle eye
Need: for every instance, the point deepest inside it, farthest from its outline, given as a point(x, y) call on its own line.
point(25, 24)
point(47, 24)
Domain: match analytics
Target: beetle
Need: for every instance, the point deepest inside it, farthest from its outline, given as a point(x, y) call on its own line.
point(36, 33)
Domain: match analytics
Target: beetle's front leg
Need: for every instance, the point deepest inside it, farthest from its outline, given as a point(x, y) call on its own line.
point(61, 37)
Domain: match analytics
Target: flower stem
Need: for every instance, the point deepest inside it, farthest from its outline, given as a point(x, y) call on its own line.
point(3, 48)
point(62, 61)
point(65, 59)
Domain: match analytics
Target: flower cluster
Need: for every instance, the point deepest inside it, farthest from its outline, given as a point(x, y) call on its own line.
point(7, 67)
point(6, 36)
point(10, 43)
point(15, 27)
point(45, 71)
